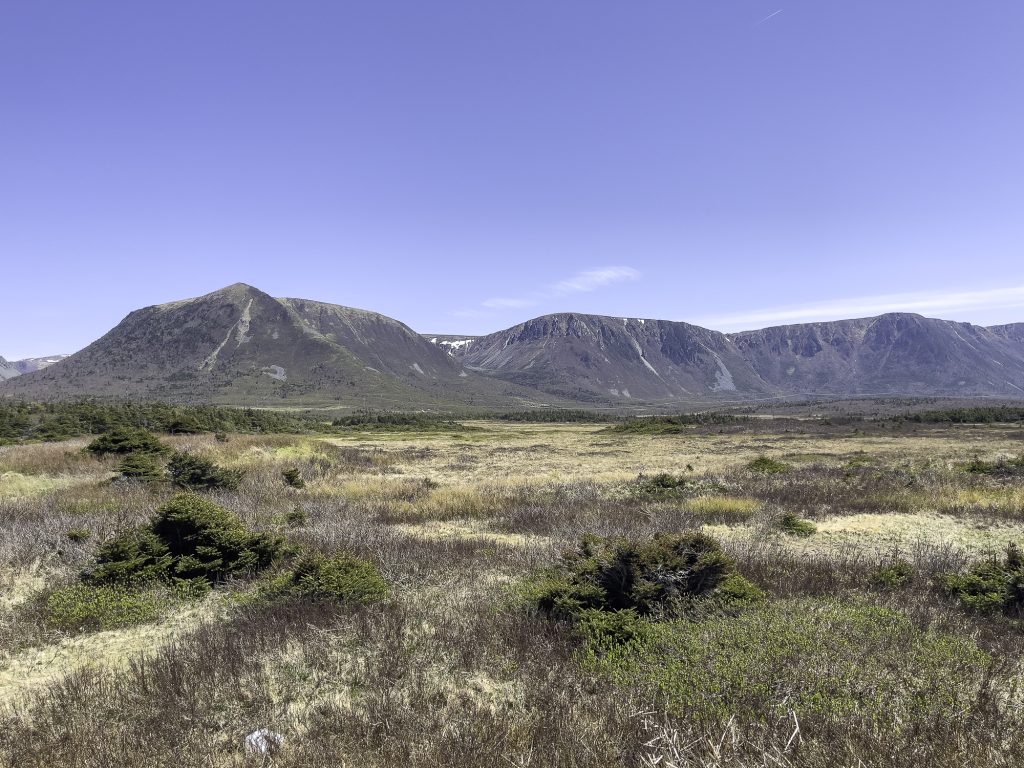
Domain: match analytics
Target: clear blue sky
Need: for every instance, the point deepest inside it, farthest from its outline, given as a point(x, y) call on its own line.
point(465, 165)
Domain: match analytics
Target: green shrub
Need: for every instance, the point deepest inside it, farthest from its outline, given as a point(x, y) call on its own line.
point(78, 534)
point(768, 466)
point(296, 517)
point(190, 538)
point(893, 575)
point(1000, 468)
point(82, 607)
point(196, 473)
point(341, 579)
point(141, 467)
point(293, 478)
point(991, 585)
point(825, 659)
point(793, 525)
point(124, 441)
point(207, 541)
point(135, 556)
point(616, 575)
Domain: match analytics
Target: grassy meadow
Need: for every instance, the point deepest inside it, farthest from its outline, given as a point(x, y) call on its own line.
point(488, 593)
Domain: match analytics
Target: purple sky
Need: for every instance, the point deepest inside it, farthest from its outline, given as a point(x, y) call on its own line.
point(466, 165)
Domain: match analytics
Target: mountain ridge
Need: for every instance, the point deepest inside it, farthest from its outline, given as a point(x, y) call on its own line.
point(241, 345)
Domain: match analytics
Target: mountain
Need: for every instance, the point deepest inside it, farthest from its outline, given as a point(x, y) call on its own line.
point(891, 354)
point(1012, 333)
point(29, 364)
point(242, 345)
point(589, 357)
point(596, 358)
point(8, 370)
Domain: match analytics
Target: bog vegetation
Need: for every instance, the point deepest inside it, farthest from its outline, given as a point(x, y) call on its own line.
point(533, 590)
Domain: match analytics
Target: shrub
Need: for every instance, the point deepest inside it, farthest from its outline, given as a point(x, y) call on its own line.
point(82, 607)
point(615, 575)
point(342, 579)
point(826, 659)
point(893, 575)
point(767, 465)
point(991, 585)
point(124, 441)
point(190, 538)
point(296, 517)
point(661, 484)
point(141, 467)
point(793, 525)
point(1002, 467)
point(293, 478)
point(78, 534)
point(207, 541)
point(135, 556)
point(196, 473)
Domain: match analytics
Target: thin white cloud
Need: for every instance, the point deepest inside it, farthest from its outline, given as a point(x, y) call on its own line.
point(771, 16)
point(591, 280)
point(927, 303)
point(582, 282)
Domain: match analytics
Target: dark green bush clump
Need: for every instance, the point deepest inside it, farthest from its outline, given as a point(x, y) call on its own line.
point(661, 484)
point(619, 575)
point(659, 425)
point(767, 465)
point(141, 467)
point(991, 585)
point(293, 478)
point(342, 579)
point(125, 441)
point(999, 468)
point(190, 539)
point(893, 575)
point(793, 525)
point(196, 473)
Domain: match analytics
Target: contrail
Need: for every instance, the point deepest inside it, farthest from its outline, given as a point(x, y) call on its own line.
point(771, 16)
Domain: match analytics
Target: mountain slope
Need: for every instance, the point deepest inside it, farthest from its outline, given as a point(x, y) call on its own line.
point(890, 354)
point(239, 344)
point(8, 370)
point(593, 358)
point(29, 364)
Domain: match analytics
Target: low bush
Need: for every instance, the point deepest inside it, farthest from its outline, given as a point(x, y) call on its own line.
point(768, 466)
point(198, 474)
point(644, 577)
point(991, 585)
point(89, 607)
point(342, 579)
point(125, 441)
point(293, 478)
point(793, 525)
point(892, 575)
point(141, 467)
point(824, 659)
point(190, 538)
point(1001, 467)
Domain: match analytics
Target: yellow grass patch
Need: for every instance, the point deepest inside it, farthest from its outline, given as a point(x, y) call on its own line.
point(15, 484)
